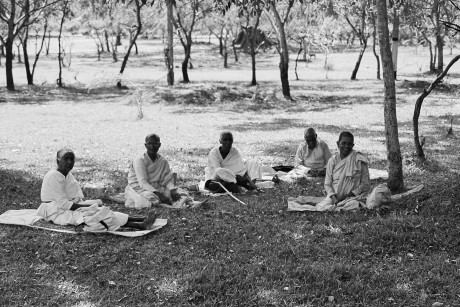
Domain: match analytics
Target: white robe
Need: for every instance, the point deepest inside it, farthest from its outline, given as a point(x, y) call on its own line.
point(60, 192)
point(233, 163)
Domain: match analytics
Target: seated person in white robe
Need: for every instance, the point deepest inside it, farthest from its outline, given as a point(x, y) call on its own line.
point(62, 202)
point(347, 176)
point(225, 166)
point(312, 154)
point(150, 181)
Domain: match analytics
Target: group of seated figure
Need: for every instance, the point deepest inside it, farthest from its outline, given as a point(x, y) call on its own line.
point(151, 182)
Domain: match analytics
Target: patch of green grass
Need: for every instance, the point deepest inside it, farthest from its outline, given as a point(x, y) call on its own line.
point(229, 254)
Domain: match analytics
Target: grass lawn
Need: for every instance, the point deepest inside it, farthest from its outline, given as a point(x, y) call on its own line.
point(227, 254)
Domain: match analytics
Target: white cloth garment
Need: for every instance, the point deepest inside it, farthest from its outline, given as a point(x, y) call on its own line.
point(232, 162)
point(60, 192)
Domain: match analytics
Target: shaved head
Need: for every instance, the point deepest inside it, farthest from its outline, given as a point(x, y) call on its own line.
point(225, 134)
point(310, 131)
point(152, 137)
point(310, 137)
point(346, 134)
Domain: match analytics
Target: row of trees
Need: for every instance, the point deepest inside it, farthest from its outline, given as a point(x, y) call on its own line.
point(308, 27)
point(251, 26)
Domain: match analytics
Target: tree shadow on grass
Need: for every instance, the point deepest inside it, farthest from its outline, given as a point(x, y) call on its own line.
point(19, 190)
point(276, 124)
point(41, 94)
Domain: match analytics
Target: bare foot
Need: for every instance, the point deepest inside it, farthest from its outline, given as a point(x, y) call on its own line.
point(148, 222)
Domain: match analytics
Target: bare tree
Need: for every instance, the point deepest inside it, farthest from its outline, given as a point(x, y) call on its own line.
point(65, 10)
point(139, 4)
point(188, 13)
point(279, 23)
point(14, 14)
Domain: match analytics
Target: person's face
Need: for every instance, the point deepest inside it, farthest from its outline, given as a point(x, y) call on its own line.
point(66, 162)
point(345, 146)
point(226, 141)
point(311, 140)
point(152, 145)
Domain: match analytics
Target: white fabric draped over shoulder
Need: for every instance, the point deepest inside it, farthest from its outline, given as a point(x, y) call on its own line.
point(347, 175)
point(60, 192)
point(232, 162)
point(147, 177)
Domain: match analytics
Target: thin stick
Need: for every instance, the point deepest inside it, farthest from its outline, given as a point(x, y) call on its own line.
point(229, 193)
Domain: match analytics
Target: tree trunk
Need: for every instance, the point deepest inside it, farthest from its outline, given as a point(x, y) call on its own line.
point(439, 37)
point(132, 42)
point(19, 53)
point(169, 51)
point(358, 62)
point(39, 51)
point(49, 42)
point(432, 58)
point(30, 77)
point(118, 41)
point(395, 41)
point(440, 46)
point(106, 35)
point(9, 48)
point(59, 80)
point(418, 106)
point(374, 43)
point(252, 48)
point(297, 61)
point(224, 50)
point(9, 65)
point(395, 174)
point(185, 62)
point(284, 53)
point(235, 53)
point(221, 46)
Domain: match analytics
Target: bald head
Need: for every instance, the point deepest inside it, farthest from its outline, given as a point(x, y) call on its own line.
point(310, 137)
point(310, 131)
point(225, 135)
point(152, 137)
point(226, 140)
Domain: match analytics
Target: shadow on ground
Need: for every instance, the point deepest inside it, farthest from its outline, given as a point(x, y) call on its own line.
point(42, 94)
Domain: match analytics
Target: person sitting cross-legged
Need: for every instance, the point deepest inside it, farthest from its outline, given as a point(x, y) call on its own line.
point(312, 154)
point(150, 181)
point(226, 167)
point(347, 175)
point(62, 202)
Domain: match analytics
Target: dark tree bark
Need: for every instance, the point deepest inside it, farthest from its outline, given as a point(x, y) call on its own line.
point(395, 174)
point(65, 12)
point(185, 36)
point(374, 43)
point(139, 6)
point(106, 35)
point(358, 62)
point(235, 53)
point(395, 41)
point(283, 47)
point(185, 62)
point(252, 36)
point(169, 51)
point(418, 107)
point(9, 49)
point(48, 44)
point(361, 34)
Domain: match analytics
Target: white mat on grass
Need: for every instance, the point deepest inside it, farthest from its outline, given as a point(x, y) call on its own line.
point(309, 203)
point(27, 217)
